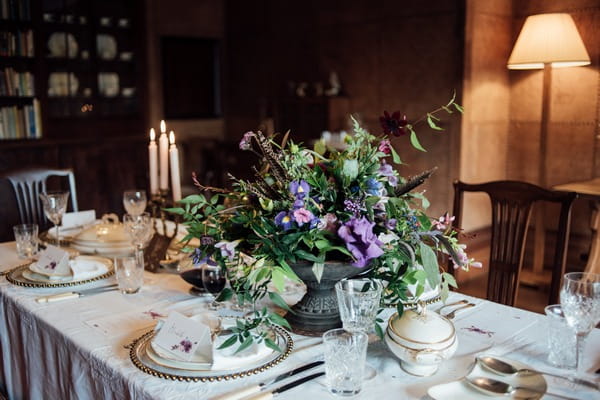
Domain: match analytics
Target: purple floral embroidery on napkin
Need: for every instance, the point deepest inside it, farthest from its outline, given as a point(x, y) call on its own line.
point(154, 314)
point(479, 330)
point(51, 266)
point(185, 346)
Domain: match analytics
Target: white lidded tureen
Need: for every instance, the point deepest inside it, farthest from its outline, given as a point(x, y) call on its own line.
point(107, 237)
point(421, 340)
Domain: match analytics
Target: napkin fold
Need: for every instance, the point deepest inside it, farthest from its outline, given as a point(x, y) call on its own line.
point(83, 268)
point(228, 359)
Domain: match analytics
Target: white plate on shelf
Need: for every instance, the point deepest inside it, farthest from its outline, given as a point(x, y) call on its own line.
point(461, 390)
point(59, 42)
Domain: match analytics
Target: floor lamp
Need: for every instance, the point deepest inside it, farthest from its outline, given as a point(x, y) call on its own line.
point(546, 41)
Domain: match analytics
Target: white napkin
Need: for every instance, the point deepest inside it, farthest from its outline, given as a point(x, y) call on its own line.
point(85, 268)
point(73, 219)
point(226, 359)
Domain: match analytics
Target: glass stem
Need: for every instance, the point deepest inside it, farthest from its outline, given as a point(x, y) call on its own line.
point(57, 235)
point(139, 256)
point(579, 353)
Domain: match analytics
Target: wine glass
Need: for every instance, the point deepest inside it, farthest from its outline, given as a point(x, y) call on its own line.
point(55, 205)
point(580, 302)
point(213, 280)
point(134, 201)
point(139, 228)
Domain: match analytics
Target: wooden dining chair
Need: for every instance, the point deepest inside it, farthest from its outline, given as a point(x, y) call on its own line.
point(28, 184)
point(512, 202)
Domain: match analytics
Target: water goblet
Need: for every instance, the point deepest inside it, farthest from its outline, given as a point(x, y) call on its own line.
point(358, 302)
point(139, 228)
point(580, 302)
point(55, 205)
point(213, 280)
point(134, 201)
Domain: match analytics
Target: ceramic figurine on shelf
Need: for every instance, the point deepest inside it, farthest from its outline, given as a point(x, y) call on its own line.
point(335, 86)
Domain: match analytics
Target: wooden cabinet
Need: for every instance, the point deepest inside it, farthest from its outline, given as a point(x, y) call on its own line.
point(308, 117)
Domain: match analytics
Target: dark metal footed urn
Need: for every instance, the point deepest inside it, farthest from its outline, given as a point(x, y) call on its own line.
point(318, 310)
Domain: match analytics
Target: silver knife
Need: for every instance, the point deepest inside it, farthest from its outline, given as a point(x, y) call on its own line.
point(270, 394)
point(246, 391)
point(75, 295)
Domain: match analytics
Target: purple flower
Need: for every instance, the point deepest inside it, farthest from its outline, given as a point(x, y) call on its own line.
point(388, 171)
point(393, 124)
point(227, 248)
point(360, 240)
point(303, 216)
point(391, 224)
point(352, 206)
point(199, 258)
point(246, 142)
point(300, 189)
point(298, 203)
point(284, 220)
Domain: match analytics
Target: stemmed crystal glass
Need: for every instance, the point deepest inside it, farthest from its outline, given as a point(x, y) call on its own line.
point(580, 302)
point(139, 228)
point(358, 301)
point(213, 280)
point(55, 205)
point(134, 201)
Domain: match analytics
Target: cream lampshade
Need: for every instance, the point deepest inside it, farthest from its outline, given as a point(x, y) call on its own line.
point(548, 39)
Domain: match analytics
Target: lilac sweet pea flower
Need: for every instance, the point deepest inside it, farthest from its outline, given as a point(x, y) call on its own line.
point(388, 171)
point(300, 189)
point(360, 240)
point(284, 220)
point(199, 258)
point(227, 248)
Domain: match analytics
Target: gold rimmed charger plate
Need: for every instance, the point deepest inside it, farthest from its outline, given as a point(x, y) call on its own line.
point(139, 356)
point(16, 277)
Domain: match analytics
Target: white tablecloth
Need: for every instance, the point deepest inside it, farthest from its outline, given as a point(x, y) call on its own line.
point(75, 349)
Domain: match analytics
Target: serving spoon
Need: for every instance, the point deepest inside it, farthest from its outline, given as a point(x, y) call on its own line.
point(496, 388)
point(504, 368)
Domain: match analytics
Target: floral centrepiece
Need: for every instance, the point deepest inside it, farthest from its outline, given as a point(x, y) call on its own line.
point(320, 205)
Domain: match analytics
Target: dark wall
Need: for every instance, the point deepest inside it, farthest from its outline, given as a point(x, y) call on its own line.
point(389, 55)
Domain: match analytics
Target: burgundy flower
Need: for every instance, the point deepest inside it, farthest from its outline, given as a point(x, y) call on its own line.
point(393, 124)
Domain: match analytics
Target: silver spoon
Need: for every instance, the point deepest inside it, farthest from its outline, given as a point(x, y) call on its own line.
point(503, 368)
point(493, 387)
point(452, 314)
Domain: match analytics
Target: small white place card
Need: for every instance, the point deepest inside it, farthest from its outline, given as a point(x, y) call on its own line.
point(53, 262)
point(181, 336)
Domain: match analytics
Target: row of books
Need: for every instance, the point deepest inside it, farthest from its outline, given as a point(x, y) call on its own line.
point(21, 122)
point(19, 10)
point(16, 44)
point(13, 83)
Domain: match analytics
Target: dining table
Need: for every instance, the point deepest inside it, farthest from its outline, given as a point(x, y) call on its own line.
point(80, 348)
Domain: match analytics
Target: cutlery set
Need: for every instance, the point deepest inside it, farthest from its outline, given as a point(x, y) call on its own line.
point(495, 387)
point(258, 392)
point(74, 295)
point(464, 304)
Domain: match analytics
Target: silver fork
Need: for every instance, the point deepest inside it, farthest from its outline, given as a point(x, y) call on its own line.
point(452, 314)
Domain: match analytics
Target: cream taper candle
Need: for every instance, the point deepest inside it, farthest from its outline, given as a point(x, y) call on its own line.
point(175, 176)
point(163, 150)
point(153, 160)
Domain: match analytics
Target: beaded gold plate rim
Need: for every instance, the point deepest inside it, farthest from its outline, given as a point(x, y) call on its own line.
point(133, 347)
point(13, 275)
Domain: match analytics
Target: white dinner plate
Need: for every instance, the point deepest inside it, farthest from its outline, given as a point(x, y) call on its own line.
point(461, 390)
point(156, 354)
point(90, 265)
